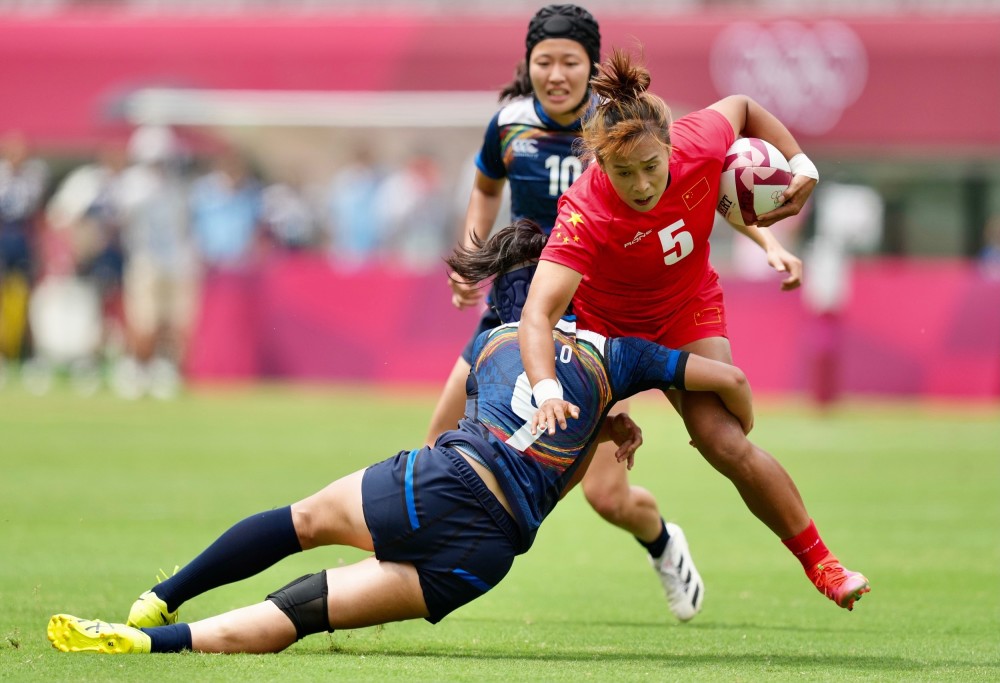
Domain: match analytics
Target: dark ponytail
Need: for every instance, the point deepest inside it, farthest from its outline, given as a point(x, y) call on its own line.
point(518, 244)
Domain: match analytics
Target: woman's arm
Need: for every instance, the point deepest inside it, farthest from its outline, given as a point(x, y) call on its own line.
point(484, 207)
point(552, 290)
point(751, 120)
point(728, 381)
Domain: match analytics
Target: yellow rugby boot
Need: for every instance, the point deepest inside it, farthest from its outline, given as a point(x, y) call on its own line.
point(149, 610)
point(72, 634)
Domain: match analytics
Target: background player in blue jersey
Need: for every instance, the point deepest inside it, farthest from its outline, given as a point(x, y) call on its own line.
point(531, 142)
point(445, 522)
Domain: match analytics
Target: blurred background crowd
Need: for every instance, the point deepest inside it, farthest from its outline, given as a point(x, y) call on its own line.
point(155, 154)
point(102, 265)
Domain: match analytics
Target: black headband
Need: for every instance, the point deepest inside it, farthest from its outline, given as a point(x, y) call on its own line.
point(565, 21)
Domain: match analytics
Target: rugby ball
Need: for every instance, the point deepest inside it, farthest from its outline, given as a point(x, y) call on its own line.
point(754, 174)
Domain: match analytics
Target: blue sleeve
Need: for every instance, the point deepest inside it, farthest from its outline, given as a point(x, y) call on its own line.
point(636, 365)
point(490, 159)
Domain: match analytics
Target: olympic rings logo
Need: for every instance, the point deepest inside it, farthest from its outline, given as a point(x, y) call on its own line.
point(806, 76)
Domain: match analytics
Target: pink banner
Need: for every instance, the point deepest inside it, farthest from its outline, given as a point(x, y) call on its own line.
point(911, 328)
point(299, 318)
point(924, 328)
point(866, 81)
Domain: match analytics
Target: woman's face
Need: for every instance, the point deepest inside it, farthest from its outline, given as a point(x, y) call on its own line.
point(641, 177)
point(560, 71)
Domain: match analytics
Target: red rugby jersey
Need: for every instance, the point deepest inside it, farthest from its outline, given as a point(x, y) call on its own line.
point(638, 267)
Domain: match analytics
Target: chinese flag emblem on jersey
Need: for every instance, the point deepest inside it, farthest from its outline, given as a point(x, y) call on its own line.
point(696, 194)
point(566, 235)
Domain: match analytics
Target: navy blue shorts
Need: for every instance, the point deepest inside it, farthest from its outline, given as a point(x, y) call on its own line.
point(428, 507)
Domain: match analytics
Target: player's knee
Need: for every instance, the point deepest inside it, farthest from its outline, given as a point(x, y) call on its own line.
point(304, 602)
point(306, 524)
point(609, 502)
point(730, 454)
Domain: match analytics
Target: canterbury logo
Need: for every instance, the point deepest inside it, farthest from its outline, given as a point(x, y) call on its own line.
point(523, 147)
point(638, 237)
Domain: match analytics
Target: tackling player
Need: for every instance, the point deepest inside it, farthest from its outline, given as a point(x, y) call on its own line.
point(445, 521)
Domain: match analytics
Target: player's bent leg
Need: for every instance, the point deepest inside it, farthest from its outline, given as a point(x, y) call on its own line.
point(366, 593)
point(761, 481)
point(765, 486)
point(247, 548)
point(294, 611)
point(373, 592)
point(634, 509)
point(770, 494)
point(258, 628)
point(450, 407)
point(333, 516)
point(607, 490)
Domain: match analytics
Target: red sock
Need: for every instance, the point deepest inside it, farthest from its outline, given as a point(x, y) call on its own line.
point(807, 546)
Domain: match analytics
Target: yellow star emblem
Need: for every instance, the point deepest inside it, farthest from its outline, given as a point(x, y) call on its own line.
point(576, 238)
point(575, 218)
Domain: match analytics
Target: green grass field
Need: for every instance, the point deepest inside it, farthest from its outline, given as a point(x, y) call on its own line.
point(97, 494)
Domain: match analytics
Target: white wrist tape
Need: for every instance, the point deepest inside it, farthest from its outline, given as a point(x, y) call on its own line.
point(546, 389)
point(802, 165)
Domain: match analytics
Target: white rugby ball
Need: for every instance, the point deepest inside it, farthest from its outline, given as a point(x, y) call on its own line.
point(754, 174)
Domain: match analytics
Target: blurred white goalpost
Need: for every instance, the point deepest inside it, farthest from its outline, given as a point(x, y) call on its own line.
point(190, 107)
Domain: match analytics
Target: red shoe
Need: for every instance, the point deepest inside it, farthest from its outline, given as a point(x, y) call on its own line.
point(840, 585)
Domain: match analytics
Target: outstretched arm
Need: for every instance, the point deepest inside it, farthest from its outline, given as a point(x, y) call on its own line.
point(728, 381)
point(749, 119)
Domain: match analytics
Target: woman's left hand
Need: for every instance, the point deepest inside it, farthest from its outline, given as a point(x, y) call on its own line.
point(793, 199)
point(627, 436)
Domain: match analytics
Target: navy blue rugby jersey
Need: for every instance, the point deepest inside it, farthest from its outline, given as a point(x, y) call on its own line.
point(535, 154)
point(595, 372)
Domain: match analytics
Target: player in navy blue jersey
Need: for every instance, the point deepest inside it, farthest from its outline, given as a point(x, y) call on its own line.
point(445, 521)
point(528, 142)
point(532, 143)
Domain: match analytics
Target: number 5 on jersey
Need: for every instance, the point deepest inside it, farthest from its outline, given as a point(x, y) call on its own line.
point(676, 242)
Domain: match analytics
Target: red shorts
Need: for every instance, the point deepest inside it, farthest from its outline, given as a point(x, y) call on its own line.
point(701, 317)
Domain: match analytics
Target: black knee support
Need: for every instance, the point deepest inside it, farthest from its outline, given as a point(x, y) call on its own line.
point(304, 602)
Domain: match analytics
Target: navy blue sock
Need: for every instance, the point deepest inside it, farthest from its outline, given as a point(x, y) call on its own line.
point(247, 548)
point(655, 547)
point(173, 638)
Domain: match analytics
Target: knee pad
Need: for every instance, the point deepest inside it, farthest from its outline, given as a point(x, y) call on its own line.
point(303, 601)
